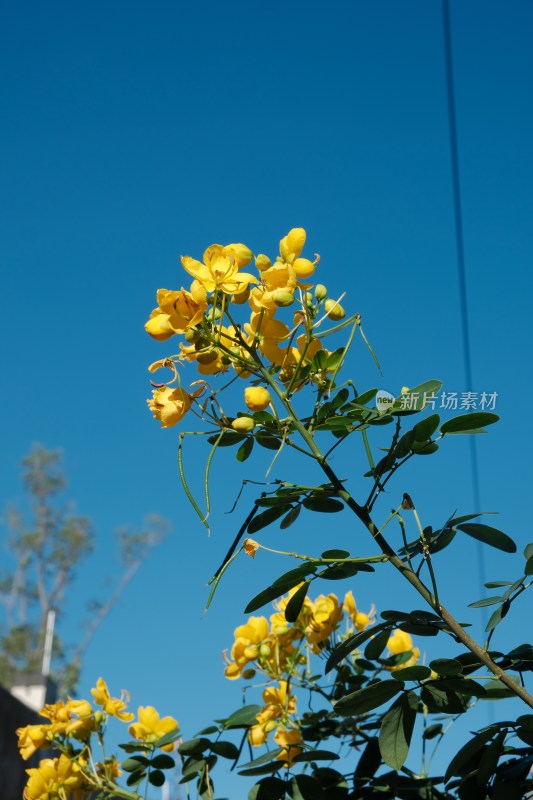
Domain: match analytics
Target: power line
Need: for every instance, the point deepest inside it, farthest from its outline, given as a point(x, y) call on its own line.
point(461, 270)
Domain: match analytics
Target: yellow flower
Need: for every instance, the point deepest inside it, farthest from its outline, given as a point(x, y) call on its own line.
point(114, 706)
point(177, 311)
point(359, 618)
point(31, 738)
point(55, 778)
point(291, 741)
point(110, 769)
point(247, 645)
point(220, 270)
point(257, 398)
point(151, 727)
point(278, 705)
point(168, 405)
point(326, 617)
point(401, 642)
point(280, 277)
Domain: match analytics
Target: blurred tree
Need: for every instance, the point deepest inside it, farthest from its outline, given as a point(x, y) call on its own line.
point(47, 542)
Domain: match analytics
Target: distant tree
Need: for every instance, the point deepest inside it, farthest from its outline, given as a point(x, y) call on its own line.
point(47, 541)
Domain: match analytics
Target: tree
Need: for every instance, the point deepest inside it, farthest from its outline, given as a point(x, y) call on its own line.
point(48, 541)
point(366, 695)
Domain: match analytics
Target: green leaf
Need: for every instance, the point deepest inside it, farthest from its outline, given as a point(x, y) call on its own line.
point(369, 763)
point(266, 518)
point(339, 554)
point(162, 761)
point(194, 746)
point(425, 448)
point(396, 730)
point(528, 570)
point(467, 423)
point(225, 749)
point(486, 601)
point(242, 718)
point(305, 787)
point(352, 643)
point(368, 698)
point(338, 572)
point(228, 439)
point(156, 778)
point(262, 769)
point(528, 551)
point(168, 738)
point(489, 535)
point(294, 606)
point(268, 789)
point(132, 764)
point(264, 597)
point(268, 441)
point(463, 756)
point(446, 667)
point(294, 576)
point(315, 755)
point(365, 398)
point(489, 759)
point(424, 429)
point(377, 644)
point(497, 616)
point(245, 449)
point(291, 517)
point(264, 759)
point(327, 505)
point(419, 398)
point(415, 673)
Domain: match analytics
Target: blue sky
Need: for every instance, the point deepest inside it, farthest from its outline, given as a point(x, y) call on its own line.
point(133, 134)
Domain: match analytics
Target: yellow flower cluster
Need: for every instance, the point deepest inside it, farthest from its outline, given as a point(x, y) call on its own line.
point(203, 315)
point(74, 775)
point(276, 647)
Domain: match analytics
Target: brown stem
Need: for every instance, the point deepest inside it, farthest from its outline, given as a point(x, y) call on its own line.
point(362, 513)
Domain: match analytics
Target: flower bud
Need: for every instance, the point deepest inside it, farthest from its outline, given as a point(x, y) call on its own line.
point(292, 244)
point(270, 725)
point(264, 650)
point(243, 424)
point(308, 299)
point(262, 262)
point(257, 398)
point(303, 267)
point(214, 313)
point(243, 254)
point(282, 298)
point(191, 335)
point(320, 291)
point(334, 310)
point(99, 717)
point(251, 652)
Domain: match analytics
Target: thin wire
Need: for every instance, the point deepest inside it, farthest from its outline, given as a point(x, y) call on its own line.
point(463, 295)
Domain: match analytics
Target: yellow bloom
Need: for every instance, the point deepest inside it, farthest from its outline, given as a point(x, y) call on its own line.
point(247, 645)
point(401, 642)
point(114, 706)
point(257, 398)
point(278, 705)
point(31, 738)
point(151, 727)
point(291, 741)
point(220, 270)
point(327, 614)
point(359, 618)
point(280, 277)
point(169, 405)
point(110, 769)
point(177, 311)
point(55, 778)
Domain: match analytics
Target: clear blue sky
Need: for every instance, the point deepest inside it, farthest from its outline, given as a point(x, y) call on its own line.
point(134, 133)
